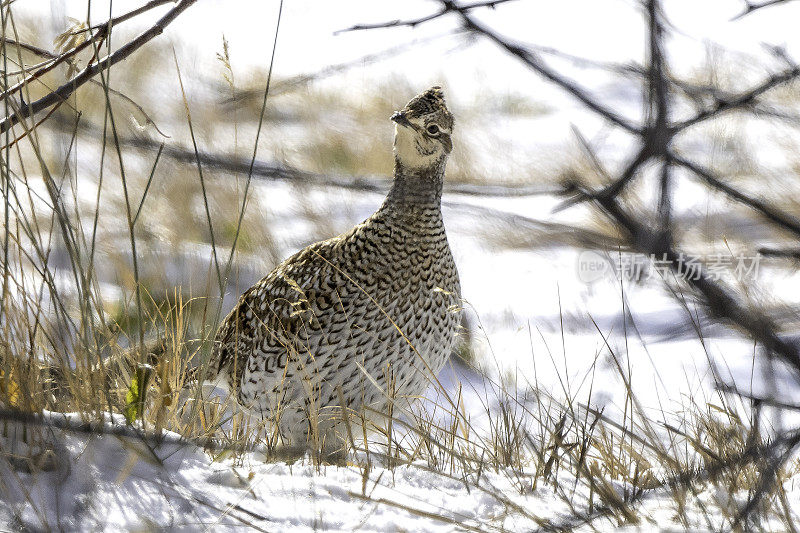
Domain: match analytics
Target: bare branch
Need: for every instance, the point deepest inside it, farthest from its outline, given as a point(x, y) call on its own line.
point(64, 91)
point(67, 57)
point(657, 81)
point(535, 63)
point(771, 401)
point(134, 13)
point(656, 136)
point(630, 69)
point(526, 55)
point(742, 100)
point(41, 52)
point(660, 135)
point(792, 253)
point(397, 23)
point(718, 300)
point(58, 60)
point(783, 220)
point(613, 189)
point(271, 170)
point(750, 7)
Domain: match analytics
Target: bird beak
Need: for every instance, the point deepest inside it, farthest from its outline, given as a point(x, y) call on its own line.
point(447, 143)
point(400, 118)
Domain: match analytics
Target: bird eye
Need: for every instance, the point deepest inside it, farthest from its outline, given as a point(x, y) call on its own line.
point(433, 129)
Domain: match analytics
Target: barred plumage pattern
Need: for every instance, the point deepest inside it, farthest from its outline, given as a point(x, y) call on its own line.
point(351, 319)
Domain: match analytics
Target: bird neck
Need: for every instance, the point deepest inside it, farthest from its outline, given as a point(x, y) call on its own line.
point(416, 187)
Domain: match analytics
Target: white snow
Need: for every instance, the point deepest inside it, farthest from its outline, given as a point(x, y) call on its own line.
point(120, 483)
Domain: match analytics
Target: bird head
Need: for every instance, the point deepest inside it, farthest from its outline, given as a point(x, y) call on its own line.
point(422, 130)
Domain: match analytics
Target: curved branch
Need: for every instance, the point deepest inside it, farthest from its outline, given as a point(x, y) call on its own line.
point(535, 63)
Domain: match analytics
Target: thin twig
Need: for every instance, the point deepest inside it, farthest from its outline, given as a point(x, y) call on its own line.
point(751, 7)
point(50, 55)
point(533, 61)
point(131, 14)
point(793, 253)
point(65, 90)
point(785, 221)
point(772, 402)
point(739, 101)
point(719, 301)
point(421, 20)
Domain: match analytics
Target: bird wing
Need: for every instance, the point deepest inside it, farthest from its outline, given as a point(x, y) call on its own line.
point(271, 316)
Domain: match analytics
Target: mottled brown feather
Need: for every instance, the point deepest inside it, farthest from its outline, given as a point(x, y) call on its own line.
point(381, 299)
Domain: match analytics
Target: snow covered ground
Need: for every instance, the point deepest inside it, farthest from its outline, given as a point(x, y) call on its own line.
point(118, 483)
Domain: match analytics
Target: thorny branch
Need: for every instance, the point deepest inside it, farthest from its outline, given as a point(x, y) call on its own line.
point(721, 103)
point(657, 134)
point(533, 61)
point(720, 302)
